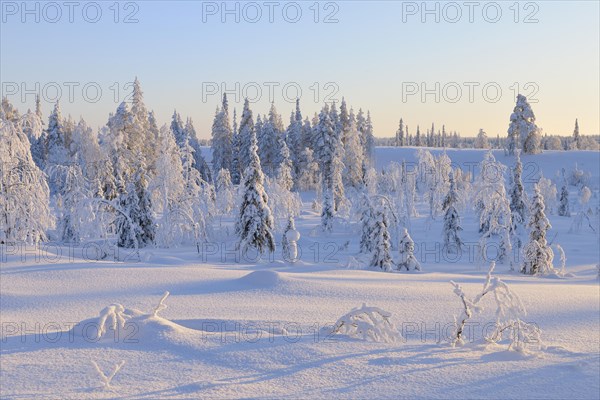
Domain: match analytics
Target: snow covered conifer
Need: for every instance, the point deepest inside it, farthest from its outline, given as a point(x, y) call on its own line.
point(55, 145)
point(327, 210)
point(178, 129)
point(522, 132)
point(452, 226)
point(537, 254)
point(406, 248)
point(353, 155)
point(366, 222)
point(518, 207)
point(418, 138)
point(285, 167)
point(576, 136)
point(222, 139)
point(400, 140)
point(224, 191)
point(563, 208)
point(246, 132)
point(369, 141)
point(255, 222)
point(381, 257)
point(481, 141)
point(199, 163)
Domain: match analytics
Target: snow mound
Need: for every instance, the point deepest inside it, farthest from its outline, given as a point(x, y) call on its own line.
point(118, 324)
point(261, 279)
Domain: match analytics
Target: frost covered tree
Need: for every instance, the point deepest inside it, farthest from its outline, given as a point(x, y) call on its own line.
point(537, 254)
point(366, 222)
point(289, 241)
point(489, 184)
point(522, 132)
point(518, 207)
point(199, 163)
point(327, 210)
point(400, 139)
point(246, 132)
point(284, 167)
point(452, 240)
point(406, 248)
point(24, 193)
point(369, 156)
point(353, 155)
point(168, 189)
point(255, 222)
point(481, 141)
point(268, 147)
point(328, 155)
point(225, 192)
point(135, 225)
point(222, 139)
point(178, 129)
point(418, 138)
point(563, 208)
point(56, 149)
point(381, 256)
point(576, 137)
point(71, 205)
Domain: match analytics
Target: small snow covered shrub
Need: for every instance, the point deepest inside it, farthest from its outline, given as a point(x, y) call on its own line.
point(107, 379)
point(367, 323)
point(522, 336)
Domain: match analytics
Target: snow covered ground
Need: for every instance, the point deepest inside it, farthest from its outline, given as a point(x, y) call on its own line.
point(243, 329)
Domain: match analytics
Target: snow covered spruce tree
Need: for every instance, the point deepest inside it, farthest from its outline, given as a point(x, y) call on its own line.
point(353, 155)
point(366, 222)
point(518, 207)
point(225, 192)
point(537, 254)
point(406, 248)
point(400, 139)
point(452, 240)
point(222, 139)
point(24, 193)
point(380, 236)
point(246, 132)
point(327, 211)
point(255, 222)
point(563, 208)
point(522, 132)
point(199, 163)
point(481, 141)
point(576, 144)
point(56, 149)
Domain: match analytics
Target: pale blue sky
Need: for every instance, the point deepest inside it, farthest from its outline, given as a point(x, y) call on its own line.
point(370, 54)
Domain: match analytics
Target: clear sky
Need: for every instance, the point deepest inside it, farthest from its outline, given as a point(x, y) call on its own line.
point(382, 56)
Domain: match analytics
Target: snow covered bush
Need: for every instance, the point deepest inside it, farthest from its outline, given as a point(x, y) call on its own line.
point(367, 323)
point(522, 336)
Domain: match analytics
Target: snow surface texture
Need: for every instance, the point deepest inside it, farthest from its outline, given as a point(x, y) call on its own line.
point(74, 328)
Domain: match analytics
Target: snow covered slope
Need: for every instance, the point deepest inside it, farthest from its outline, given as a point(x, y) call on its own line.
point(240, 329)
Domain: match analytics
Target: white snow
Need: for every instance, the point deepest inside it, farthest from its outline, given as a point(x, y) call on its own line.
point(263, 329)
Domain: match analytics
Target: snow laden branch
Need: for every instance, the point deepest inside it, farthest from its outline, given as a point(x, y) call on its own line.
point(106, 379)
point(367, 323)
point(509, 311)
point(161, 305)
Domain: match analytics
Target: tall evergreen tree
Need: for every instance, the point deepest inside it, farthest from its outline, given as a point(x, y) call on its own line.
point(246, 132)
point(255, 222)
point(381, 257)
point(522, 132)
point(452, 226)
point(400, 140)
point(576, 136)
point(537, 254)
point(222, 139)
